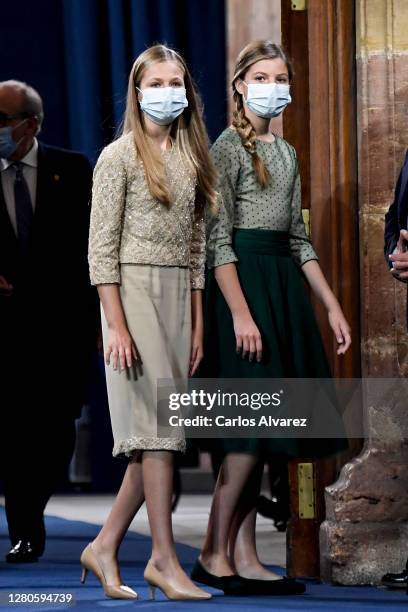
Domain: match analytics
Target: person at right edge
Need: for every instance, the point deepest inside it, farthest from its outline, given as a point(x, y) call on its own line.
point(259, 322)
point(396, 255)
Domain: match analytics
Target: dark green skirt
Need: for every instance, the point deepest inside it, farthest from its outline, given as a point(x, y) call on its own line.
point(277, 297)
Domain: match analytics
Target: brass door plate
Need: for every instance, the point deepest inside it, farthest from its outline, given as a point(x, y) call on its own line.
point(299, 5)
point(306, 220)
point(306, 490)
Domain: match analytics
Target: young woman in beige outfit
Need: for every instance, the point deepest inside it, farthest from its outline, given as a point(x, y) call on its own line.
point(147, 256)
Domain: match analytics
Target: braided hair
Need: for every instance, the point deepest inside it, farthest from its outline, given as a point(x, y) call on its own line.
point(254, 52)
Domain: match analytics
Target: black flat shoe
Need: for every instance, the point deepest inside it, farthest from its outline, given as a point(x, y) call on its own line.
point(396, 581)
point(228, 584)
point(281, 586)
point(239, 586)
point(22, 552)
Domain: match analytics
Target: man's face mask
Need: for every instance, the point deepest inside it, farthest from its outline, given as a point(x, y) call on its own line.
point(8, 145)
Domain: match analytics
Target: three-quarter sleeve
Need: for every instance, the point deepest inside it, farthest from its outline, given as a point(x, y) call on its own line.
point(108, 201)
point(300, 245)
point(198, 252)
point(219, 226)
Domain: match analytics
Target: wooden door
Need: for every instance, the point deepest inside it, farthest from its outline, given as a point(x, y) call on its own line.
point(321, 124)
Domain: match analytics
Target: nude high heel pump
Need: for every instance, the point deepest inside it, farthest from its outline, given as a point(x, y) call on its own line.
point(90, 562)
point(155, 579)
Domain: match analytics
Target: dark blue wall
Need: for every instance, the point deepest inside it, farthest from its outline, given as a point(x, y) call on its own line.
point(32, 50)
point(78, 54)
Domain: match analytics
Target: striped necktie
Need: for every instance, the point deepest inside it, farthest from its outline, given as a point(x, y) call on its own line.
point(24, 208)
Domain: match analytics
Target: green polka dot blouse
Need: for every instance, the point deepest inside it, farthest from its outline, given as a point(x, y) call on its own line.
point(243, 203)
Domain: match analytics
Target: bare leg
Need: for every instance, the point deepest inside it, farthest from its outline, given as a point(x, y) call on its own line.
point(242, 540)
point(128, 501)
point(246, 560)
point(157, 469)
point(246, 506)
point(234, 474)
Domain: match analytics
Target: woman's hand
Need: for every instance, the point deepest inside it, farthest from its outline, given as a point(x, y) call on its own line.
point(247, 336)
point(340, 328)
point(121, 348)
point(322, 290)
point(197, 351)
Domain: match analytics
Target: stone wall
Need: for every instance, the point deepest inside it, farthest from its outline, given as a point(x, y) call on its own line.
point(366, 531)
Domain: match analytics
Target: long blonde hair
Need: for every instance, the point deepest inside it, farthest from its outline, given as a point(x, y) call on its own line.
point(188, 133)
point(254, 52)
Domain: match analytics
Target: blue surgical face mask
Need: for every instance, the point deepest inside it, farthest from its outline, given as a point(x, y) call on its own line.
point(267, 100)
point(8, 145)
point(163, 104)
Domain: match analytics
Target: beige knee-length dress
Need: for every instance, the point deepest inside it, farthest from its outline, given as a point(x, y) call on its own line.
point(156, 254)
point(157, 305)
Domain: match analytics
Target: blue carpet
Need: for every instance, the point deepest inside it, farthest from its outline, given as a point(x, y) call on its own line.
point(59, 571)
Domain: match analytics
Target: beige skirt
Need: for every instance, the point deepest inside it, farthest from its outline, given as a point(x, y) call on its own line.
point(156, 301)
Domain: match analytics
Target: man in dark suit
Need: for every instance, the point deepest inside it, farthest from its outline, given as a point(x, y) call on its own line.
point(47, 313)
point(396, 254)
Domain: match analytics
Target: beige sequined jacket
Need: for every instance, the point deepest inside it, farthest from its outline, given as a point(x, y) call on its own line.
point(128, 225)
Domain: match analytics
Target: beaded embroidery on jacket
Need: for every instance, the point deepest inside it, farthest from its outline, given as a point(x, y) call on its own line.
point(128, 225)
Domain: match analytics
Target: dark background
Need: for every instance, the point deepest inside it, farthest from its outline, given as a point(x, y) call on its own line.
point(78, 55)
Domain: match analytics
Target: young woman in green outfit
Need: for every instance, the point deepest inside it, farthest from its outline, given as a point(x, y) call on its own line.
point(259, 320)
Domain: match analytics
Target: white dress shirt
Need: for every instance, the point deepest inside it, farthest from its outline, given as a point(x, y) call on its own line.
point(8, 175)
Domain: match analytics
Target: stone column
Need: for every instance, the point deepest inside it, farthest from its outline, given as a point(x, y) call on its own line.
point(366, 531)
